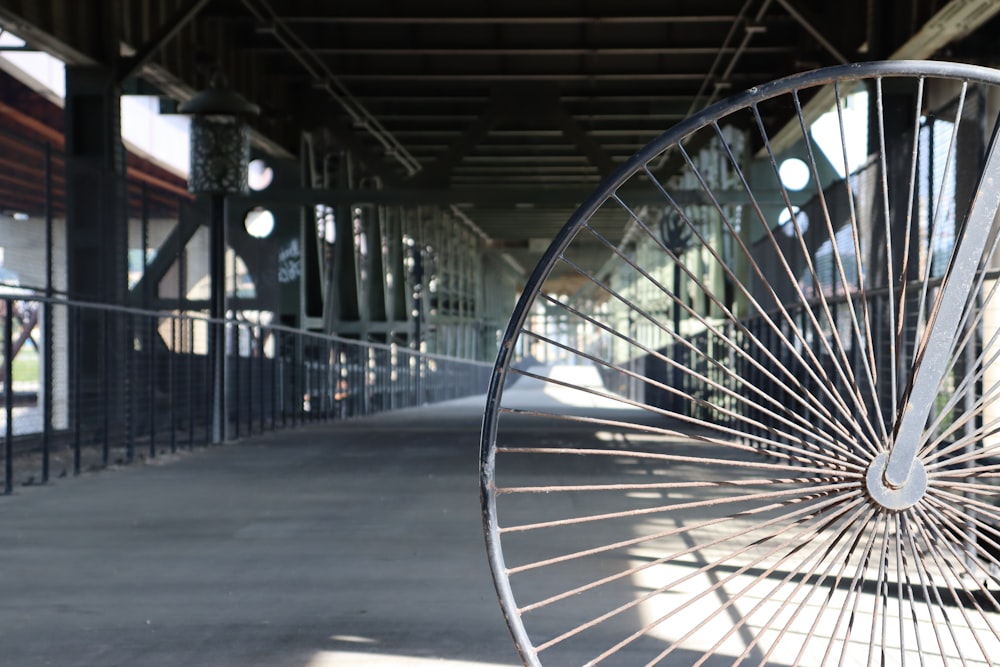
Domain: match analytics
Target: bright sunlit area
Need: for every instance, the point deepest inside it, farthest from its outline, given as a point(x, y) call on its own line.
point(363, 659)
point(827, 132)
point(39, 71)
point(162, 138)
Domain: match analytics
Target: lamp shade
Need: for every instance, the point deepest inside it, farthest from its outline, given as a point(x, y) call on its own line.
point(220, 142)
point(220, 153)
point(219, 100)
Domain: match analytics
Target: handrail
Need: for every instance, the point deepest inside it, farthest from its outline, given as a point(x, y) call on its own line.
point(127, 383)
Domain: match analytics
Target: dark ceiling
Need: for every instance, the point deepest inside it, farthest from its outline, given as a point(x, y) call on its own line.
point(513, 111)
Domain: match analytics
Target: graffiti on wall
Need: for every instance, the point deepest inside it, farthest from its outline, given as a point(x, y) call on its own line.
point(289, 262)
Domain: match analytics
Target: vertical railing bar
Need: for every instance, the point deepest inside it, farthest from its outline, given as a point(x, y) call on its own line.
point(283, 403)
point(250, 385)
point(48, 328)
point(105, 388)
point(171, 384)
point(309, 376)
point(237, 396)
point(47, 385)
point(152, 378)
point(334, 381)
point(313, 383)
point(8, 396)
point(189, 368)
point(295, 399)
point(209, 398)
point(265, 377)
point(277, 375)
point(298, 382)
point(77, 370)
point(148, 346)
point(274, 379)
point(316, 384)
point(324, 379)
point(130, 391)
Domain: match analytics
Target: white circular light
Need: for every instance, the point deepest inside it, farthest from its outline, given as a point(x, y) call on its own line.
point(259, 222)
point(785, 221)
point(794, 173)
point(259, 175)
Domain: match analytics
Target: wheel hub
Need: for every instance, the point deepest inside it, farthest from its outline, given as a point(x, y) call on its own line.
point(890, 497)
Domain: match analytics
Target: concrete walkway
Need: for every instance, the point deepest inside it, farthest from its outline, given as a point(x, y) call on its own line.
point(355, 544)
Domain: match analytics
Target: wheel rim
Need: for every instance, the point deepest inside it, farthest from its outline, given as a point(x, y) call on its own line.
point(735, 508)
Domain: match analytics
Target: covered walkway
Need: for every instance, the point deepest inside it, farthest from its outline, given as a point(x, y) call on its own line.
point(354, 543)
point(757, 247)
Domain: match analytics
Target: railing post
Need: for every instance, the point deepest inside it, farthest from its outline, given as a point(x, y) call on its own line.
point(105, 389)
point(8, 395)
point(76, 370)
point(130, 393)
point(275, 379)
point(171, 384)
point(235, 396)
point(217, 315)
point(47, 326)
point(265, 375)
point(189, 373)
point(149, 349)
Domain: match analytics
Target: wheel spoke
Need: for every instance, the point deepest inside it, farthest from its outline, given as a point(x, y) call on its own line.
point(700, 437)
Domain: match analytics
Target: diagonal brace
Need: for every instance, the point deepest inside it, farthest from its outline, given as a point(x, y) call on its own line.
point(131, 65)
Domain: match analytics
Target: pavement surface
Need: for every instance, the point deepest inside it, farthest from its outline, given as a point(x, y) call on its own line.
point(359, 544)
point(351, 544)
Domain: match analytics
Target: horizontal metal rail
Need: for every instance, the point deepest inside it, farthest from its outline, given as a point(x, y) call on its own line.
point(126, 384)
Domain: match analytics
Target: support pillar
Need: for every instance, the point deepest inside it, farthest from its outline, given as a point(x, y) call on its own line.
point(376, 289)
point(96, 239)
point(396, 298)
point(342, 304)
point(95, 158)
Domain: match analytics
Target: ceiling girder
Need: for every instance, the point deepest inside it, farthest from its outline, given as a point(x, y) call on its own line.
point(130, 65)
point(486, 197)
point(438, 172)
point(515, 106)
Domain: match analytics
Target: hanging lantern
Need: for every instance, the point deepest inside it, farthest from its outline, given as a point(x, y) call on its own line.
point(220, 141)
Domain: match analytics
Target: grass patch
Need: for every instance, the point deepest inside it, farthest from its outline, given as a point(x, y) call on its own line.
point(26, 365)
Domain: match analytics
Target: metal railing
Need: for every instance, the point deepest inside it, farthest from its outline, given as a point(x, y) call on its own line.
point(90, 386)
point(785, 356)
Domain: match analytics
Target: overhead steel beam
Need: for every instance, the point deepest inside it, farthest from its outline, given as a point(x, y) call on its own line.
point(343, 135)
point(480, 77)
point(953, 21)
point(485, 197)
point(540, 18)
point(520, 51)
point(474, 98)
point(579, 136)
point(41, 31)
point(812, 30)
point(130, 65)
point(438, 171)
point(323, 78)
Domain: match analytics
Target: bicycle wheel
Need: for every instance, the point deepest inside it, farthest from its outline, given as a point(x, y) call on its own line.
point(762, 428)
